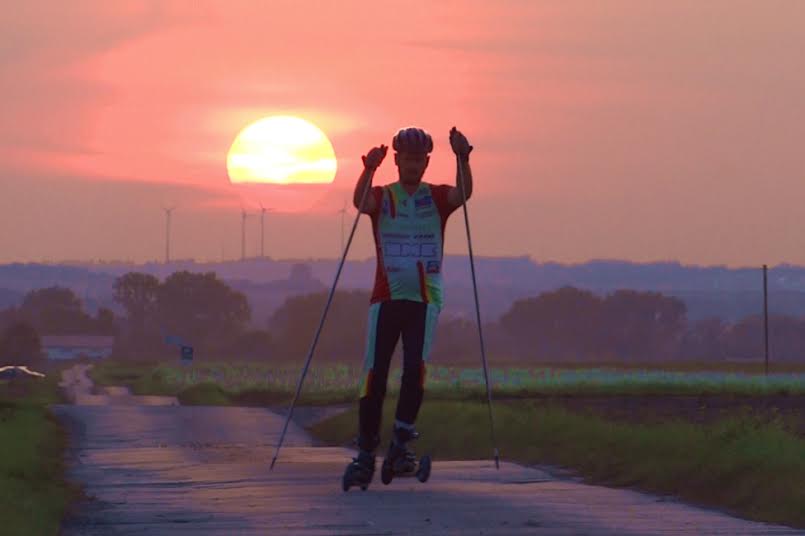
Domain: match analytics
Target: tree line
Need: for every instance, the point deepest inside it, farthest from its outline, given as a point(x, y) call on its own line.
point(564, 324)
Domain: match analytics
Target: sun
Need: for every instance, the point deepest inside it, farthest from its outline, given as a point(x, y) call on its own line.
point(281, 149)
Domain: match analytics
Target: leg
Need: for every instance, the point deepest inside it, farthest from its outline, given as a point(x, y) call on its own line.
point(382, 335)
point(417, 332)
point(417, 335)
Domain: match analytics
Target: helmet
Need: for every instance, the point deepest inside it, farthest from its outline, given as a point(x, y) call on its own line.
point(412, 140)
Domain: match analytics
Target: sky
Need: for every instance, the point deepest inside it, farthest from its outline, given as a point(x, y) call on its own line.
point(617, 129)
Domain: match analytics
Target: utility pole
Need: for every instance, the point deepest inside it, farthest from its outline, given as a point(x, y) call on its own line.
point(766, 316)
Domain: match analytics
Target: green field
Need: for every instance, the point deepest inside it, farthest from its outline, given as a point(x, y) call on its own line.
point(748, 467)
point(266, 384)
point(34, 495)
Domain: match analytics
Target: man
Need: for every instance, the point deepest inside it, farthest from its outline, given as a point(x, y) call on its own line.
point(408, 221)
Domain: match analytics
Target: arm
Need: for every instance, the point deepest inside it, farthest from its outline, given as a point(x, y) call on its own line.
point(365, 182)
point(370, 163)
point(462, 148)
point(454, 196)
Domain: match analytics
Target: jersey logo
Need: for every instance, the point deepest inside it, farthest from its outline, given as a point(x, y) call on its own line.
point(410, 249)
point(425, 201)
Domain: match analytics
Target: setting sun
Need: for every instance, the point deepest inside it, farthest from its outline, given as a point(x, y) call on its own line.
point(281, 150)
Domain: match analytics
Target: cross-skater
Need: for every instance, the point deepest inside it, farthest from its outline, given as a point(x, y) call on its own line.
point(408, 222)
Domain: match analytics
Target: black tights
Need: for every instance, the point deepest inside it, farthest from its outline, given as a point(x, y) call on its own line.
point(395, 317)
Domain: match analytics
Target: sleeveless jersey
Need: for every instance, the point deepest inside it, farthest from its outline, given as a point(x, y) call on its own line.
point(409, 240)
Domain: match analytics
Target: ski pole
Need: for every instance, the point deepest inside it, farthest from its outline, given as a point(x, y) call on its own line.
point(318, 330)
point(478, 315)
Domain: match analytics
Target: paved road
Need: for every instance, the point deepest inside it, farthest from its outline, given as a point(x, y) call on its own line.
point(177, 470)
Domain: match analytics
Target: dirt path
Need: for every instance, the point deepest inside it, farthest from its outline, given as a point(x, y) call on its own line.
point(204, 470)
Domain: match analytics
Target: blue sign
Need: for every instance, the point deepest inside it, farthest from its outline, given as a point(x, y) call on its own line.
point(187, 353)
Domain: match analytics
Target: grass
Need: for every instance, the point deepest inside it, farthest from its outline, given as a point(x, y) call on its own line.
point(748, 467)
point(34, 495)
point(142, 377)
point(267, 384)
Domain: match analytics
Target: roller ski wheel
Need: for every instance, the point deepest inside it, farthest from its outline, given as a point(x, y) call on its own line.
point(423, 471)
point(358, 473)
point(386, 473)
point(405, 465)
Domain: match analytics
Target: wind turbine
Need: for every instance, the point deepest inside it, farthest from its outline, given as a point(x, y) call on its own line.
point(168, 212)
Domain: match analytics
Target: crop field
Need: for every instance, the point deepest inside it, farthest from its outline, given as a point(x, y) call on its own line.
point(505, 381)
point(631, 395)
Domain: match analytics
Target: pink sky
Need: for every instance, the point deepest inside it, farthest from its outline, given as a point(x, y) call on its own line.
point(618, 129)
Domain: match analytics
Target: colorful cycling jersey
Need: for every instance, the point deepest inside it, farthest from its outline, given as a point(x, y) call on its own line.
point(409, 239)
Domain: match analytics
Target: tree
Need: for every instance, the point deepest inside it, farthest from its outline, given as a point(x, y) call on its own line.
point(20, 345)
point(105, 322)
point(55, 311)
point(643, 325)
point(744, 340)
point(705, 340)
point(456, 340)
point(343, 336)
point(565, 323)
point(252, 344)
point(137, 293)
point(202, 309)
point(786, 338)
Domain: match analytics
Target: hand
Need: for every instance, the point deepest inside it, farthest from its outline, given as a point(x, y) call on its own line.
point(459, 143)
point(375, 157)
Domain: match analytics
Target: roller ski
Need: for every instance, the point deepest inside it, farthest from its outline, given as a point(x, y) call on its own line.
point(359, 472)
point(401, 461)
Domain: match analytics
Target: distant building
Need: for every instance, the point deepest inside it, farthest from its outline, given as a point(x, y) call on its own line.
point(74, 346)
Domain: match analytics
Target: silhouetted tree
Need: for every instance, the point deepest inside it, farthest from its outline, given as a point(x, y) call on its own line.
point(642, 325)
point(55, 311)
point(137, 293)
point(343, 336)
point(20, 345)
point(786, 338)
point(456, 340)
point(254, 344)
point(105, 322)
point(202, 309)
point(8, 317)
point(744, 340)
point(705, 340)
point(565, 323)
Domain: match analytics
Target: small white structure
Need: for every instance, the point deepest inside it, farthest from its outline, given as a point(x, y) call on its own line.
point(13, 372)
point(74, 346)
